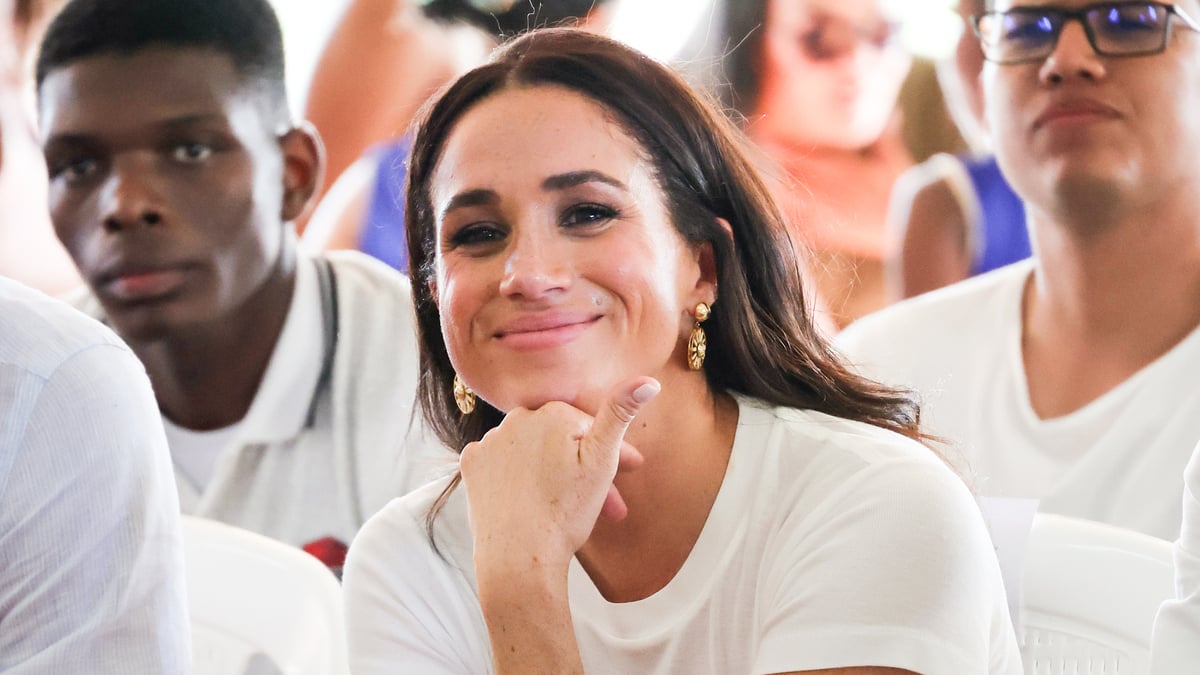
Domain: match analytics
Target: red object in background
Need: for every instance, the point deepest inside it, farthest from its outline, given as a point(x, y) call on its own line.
point(330, 551)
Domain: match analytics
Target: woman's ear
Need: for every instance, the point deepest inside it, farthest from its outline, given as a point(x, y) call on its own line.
point(706, 258)
point(303, 169)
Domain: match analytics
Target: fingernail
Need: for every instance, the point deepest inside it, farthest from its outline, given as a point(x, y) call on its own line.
point(646, 392)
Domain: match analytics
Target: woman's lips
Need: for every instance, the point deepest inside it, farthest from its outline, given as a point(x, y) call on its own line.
point(544, 331)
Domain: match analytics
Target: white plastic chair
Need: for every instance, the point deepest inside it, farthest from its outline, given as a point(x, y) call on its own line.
point(258, 606)
point(1090, 593)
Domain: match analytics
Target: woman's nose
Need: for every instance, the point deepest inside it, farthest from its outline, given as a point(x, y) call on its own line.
point(535, 267)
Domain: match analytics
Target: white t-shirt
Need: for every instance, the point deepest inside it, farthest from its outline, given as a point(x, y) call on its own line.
point(830, 544)
point(1117, 460)
point(91, 552)
point(1176, 645)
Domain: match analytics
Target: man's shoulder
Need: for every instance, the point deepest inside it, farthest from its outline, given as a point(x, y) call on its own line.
point(37, 332)
point(928, 320)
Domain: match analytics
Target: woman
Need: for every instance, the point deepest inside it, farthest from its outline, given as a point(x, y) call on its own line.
point(664, 468)
point(818, 81)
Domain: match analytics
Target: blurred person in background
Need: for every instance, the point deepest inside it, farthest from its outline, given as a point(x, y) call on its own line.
point(817, 82)
point(29, 251)
point(384, 59)
point(955, 215)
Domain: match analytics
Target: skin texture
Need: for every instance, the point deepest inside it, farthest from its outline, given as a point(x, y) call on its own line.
point(171, 191)
point(1103, 150)
point(554, 244)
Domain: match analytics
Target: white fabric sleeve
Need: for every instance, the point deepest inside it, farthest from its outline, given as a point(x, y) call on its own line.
point(898, 571)
point(408, 610)
point(1176, 644)
point(91, 552)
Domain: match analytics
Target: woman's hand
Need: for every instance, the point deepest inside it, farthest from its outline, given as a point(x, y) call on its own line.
point(537, 483)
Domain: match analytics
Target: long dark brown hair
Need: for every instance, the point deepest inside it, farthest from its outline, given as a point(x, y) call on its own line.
point(761, 337)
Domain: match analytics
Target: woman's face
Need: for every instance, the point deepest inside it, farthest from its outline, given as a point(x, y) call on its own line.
point(559, 273)
point(831, 72)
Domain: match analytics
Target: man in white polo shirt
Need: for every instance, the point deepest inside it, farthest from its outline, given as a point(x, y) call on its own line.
point(1072, 377)
point(286, 382)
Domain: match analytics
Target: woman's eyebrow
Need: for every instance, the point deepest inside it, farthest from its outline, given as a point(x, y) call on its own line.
point(571, 179)
point(480, 197)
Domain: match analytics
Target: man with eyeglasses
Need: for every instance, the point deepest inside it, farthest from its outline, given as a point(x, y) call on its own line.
point(1072, 377)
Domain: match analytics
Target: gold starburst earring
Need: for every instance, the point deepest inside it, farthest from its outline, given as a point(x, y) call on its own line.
point(464, 398)
point(698, 341)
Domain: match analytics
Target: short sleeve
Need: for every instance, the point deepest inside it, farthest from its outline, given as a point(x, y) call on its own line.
point(408, 609)
point(91, 553)
point(896, 569)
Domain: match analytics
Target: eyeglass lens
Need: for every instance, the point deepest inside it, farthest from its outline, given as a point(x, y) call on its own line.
point(1121, 28)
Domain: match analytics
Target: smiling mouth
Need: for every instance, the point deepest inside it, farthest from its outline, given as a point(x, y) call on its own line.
point(546, 336)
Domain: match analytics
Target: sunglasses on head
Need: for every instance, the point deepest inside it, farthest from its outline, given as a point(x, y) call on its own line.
point(831, 37)
point(1024, 34)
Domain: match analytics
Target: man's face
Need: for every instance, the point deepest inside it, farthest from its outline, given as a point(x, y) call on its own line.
point(1077, 126)
point(167, 185)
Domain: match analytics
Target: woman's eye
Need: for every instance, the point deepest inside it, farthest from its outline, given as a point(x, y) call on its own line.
point(191, 152)
point(587, 214)
point(476, 235)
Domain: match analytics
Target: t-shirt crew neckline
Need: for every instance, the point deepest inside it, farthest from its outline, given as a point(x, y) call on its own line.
point(1016, 359)
point(718, 541)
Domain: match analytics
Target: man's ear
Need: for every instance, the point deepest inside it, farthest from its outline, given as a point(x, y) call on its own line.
point(303, 169)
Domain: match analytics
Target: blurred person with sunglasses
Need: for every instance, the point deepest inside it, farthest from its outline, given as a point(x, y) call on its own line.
point(817, 82)
point(1071, 377)
point(955, 215)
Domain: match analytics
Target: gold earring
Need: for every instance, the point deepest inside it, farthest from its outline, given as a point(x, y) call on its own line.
point(464, 398)
point(698, 341)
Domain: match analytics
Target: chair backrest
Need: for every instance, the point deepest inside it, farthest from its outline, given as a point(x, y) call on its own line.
point(259, 606)
point(1090, 594)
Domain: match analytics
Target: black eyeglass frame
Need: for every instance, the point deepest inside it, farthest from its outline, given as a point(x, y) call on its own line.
point(1080, 15)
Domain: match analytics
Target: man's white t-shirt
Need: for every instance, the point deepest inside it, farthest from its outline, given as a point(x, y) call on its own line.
point(1117, 460)
point(830, 544)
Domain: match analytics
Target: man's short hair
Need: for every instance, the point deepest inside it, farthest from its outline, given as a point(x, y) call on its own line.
point(245, 30)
